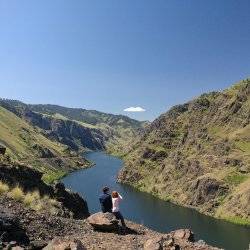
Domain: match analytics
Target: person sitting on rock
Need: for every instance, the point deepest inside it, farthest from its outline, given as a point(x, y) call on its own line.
point(116, 199)
point(106, 201)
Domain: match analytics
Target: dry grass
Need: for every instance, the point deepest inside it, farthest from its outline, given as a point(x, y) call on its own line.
point(16, 194)
point(3, 188)
point(20, 137)
point(32, 200)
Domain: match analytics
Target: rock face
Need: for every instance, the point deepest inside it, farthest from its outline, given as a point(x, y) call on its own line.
point(72, 201)
point(67, 132)
point(31, 180)
point(103, 222)
point(77, 128)
point(198, 154)
point(206, 189)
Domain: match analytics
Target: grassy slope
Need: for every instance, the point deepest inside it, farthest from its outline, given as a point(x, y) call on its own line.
point(206, 138)
point(19, 137)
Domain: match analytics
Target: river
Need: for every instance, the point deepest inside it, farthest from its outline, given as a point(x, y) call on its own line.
point(150, 211)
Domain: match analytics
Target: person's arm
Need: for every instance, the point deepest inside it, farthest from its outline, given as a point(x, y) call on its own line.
point(120, 197)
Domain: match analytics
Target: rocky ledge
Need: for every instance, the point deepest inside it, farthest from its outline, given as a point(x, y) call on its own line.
point(23, 228)
point(70, 204)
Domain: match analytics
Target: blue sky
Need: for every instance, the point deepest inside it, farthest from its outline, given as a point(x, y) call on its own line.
point(111, 55)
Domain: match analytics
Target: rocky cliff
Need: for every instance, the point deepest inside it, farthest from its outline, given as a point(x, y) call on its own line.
point(198, 154)
point(77, 128)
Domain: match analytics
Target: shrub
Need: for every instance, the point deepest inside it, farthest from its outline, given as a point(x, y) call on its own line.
point(37, 207)
point(31, 198)
point(3, 188)
point(16, 194)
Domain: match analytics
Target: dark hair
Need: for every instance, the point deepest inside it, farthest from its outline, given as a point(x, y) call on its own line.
point(105, 189)
point(114, 194)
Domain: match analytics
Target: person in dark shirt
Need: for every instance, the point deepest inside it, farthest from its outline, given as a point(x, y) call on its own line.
point(106, 201)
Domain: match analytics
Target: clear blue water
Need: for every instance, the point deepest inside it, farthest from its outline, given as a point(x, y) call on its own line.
point(152, 212)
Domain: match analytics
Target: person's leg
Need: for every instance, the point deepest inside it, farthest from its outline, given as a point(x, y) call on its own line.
point(119, 216)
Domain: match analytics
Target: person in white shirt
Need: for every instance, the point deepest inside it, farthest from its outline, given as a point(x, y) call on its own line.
point(116, 199)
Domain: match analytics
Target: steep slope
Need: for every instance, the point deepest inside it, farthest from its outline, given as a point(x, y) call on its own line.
point(27, 145)
point(198, 154)
point(58, 128)
point(79, 128)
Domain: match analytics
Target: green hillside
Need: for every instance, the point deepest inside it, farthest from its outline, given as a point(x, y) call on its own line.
point(198, 154)
point(26, 144)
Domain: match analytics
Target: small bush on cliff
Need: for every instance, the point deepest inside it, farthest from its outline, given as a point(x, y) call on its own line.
point(31, 198)
point(16, 194)
point(3, 188)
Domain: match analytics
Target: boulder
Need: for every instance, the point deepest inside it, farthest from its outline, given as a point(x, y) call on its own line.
point(165, 242)
point(153, 243)
point(65, 244)
point(103, 221)
point(183, 234)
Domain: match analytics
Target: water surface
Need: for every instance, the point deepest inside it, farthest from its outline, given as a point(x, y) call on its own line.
point(148, 210)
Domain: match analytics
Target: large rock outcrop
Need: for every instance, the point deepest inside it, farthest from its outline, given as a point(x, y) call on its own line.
point(103, 222)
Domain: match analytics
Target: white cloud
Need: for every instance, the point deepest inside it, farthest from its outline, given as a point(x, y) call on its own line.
point(134, 109)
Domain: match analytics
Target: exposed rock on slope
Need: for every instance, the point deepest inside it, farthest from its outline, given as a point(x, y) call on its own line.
point(30, 180)
point(78, 128)
point(65, 131)
point(26, 144)
point(198, 154)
